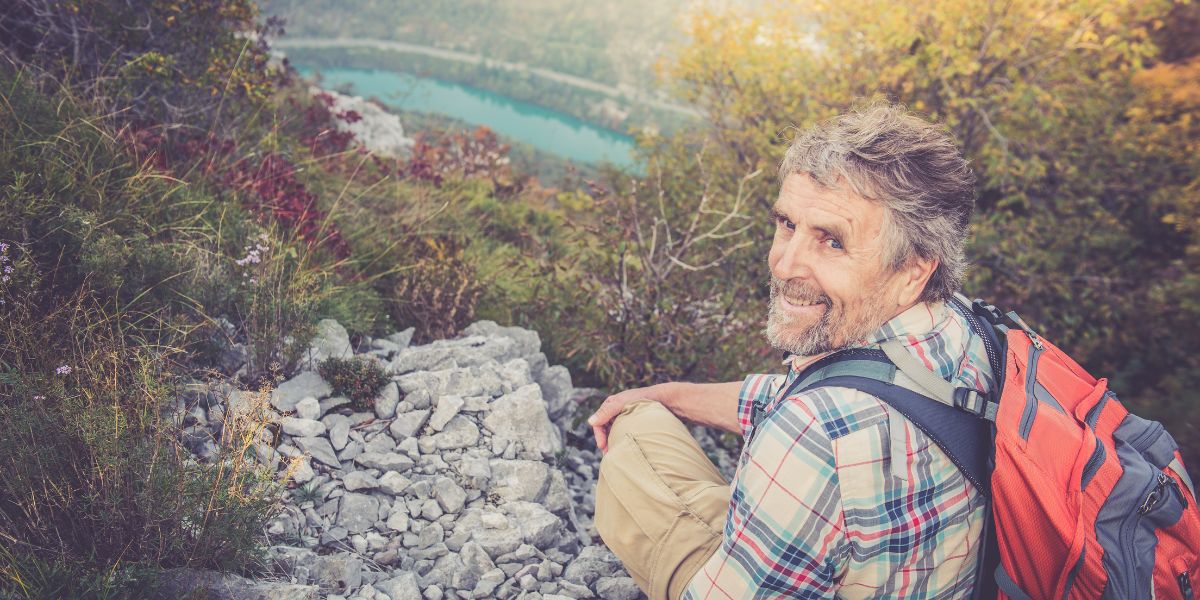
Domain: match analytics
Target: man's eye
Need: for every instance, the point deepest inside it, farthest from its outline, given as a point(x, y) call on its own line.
point(783, 222)
point(833, 243)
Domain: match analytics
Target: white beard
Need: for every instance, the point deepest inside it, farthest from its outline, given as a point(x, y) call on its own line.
point(834, 330)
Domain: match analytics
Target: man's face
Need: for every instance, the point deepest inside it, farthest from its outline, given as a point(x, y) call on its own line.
point(830, 285)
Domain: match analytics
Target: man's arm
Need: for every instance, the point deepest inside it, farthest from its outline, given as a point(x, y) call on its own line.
point(708, 404)
point(786, 533)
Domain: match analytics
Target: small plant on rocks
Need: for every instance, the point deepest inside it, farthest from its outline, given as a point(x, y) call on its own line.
point(356, 378)
point(309, 492)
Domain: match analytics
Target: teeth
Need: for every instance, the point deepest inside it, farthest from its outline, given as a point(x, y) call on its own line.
point(800, 303)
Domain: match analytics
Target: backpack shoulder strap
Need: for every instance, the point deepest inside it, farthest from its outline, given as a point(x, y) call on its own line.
point(959, 431)
point(962, 436)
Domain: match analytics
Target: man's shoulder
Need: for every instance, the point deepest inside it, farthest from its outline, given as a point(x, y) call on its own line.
point(836, 411)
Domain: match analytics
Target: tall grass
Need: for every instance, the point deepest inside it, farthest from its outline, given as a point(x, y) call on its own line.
point(113, 272)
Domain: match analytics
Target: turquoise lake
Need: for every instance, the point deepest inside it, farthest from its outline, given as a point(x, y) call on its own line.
point(539, 127)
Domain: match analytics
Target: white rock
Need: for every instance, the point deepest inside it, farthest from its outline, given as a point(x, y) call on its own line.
point(357, 512)
point(391, 461)
point(402, 587)
point(449, 495)
point(359, 480)
point(303, 472)
point(339, 430)
point(302, 427)
point(447, 407)
point(376, 130)
point(398, 519)
point(493, 520)
point(488, 583)
point(402, 338)
point(380, 442)
point(539, 527)
point(385, 403)
point(330, 341)
point(289, 393)
point(409, 446)
point(521, 417)
point(394, 483)
point(555, 383)
point(460, 432)
point(408, 424)
point(515, 480)
point(308, 408)
point(319, 448)
point(329, 404)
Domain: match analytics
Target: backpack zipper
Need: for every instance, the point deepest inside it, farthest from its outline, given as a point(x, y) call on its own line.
point(1093, 464)
point(1093, 415)
point(1185, 586)
point(1156, 495)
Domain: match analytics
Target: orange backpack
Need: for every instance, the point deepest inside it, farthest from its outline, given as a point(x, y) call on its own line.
point(1088, 500)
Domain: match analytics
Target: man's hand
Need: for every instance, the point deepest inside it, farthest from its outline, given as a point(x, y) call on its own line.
point(707, 404)
point(602, 419)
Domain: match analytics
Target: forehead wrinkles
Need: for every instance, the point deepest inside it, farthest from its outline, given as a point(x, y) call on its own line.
point(804, 200)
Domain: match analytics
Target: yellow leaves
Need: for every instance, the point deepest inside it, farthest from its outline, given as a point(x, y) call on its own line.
point(1109, 19)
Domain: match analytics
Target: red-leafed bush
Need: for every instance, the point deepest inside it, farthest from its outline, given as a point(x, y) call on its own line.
point(320, 133)
point(475, 154)
point(276, 190)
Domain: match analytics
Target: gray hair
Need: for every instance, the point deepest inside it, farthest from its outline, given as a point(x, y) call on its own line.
point(912, 167)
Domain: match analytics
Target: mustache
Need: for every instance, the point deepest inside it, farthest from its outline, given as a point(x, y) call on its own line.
point(796, 289)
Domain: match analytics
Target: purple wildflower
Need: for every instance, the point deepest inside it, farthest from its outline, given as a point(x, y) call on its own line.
point(63, 370)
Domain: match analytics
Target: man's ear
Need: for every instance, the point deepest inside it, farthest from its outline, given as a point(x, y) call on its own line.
point(914, 276)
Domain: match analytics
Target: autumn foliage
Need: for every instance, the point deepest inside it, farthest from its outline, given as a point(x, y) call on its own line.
point(1080, 118)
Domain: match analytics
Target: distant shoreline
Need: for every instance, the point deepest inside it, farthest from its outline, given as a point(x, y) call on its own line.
point(454, 55)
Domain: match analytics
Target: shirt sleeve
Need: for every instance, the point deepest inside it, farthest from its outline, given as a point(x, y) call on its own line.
point(757, 391)
point(785, 532)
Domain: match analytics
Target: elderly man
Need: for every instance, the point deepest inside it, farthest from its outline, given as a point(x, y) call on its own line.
point(836, 492)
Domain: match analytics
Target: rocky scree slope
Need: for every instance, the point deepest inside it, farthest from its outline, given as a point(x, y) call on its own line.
point(457, 485)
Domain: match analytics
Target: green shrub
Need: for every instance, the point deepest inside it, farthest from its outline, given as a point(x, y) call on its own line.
point(115, 267)
point(358, 379)
point(92, 474)
point(27, 576)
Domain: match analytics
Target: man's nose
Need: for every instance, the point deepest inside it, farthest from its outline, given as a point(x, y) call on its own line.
point(795, 258)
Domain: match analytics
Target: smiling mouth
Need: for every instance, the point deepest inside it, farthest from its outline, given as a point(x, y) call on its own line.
point(801, 303)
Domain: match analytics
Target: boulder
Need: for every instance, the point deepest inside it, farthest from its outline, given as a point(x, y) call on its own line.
point(195, 583)
point(305, 384)
point(357, 512)
point(330, 341)
point(521, 417)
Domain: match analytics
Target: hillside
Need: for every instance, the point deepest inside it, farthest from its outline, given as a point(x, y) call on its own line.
point(609, 42)
point(183, 214)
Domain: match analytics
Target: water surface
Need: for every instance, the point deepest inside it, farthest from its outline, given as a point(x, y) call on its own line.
point(537, 126)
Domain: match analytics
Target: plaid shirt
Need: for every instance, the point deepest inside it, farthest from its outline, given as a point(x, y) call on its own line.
point(836, 494)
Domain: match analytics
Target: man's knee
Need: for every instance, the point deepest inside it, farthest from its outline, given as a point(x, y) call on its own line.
point(642, 417)
point(657, 534)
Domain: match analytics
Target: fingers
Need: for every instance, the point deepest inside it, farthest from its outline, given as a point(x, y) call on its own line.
point(599, 422)
point(602, 418)
point(601, 434)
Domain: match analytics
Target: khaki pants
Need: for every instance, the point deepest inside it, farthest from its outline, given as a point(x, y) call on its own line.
point(660, 503)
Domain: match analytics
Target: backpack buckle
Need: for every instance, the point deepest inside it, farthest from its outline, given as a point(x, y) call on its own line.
point(975, 403)
point(987, 311)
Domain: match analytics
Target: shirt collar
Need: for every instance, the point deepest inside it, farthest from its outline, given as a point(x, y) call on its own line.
point(918, 321)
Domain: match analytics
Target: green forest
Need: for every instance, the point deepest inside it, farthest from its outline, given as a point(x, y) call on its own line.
point(140, 167)
point(609, 42)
